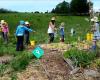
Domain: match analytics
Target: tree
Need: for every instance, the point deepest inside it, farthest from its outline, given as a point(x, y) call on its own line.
point(79, 6)
point(62, 8)
point(2, 10)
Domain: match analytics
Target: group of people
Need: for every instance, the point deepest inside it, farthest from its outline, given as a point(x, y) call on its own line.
point(52, 29)
point(23, 29)
point(22, 33)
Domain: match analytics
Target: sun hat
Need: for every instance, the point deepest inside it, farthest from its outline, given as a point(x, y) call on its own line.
point(53, 18)
point(5, 23)
point(96, 19)
point(27, 22)
point(92, 20)
point(2, 21)
point(62, 24)
point(22, 22)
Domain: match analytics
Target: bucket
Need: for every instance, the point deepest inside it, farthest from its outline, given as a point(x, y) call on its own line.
point(92, 36)
point(32, 43)
point(88, 37)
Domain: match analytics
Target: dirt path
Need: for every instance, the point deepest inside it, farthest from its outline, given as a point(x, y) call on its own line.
point(55, 65)
point(52, 67)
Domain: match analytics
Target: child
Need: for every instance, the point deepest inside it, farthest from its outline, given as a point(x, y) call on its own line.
point(20, 35)
point(5, 31)
point(1, 26)
point(27, 41)
point(62, 32)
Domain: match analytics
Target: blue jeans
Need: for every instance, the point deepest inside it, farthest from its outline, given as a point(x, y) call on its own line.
point(19, 45)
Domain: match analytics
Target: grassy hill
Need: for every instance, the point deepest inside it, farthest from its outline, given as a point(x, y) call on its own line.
point(39, 22)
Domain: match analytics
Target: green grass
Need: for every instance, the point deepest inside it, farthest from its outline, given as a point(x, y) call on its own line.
point(39, 22)
point(80, 57)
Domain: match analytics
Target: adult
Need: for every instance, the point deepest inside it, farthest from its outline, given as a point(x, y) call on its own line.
point(96, 25)
point(51, 29)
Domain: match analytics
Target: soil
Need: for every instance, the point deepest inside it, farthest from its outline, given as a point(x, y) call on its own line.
point(50, 67)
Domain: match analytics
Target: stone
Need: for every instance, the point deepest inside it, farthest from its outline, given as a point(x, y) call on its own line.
point(91, 73)
point(75, 70)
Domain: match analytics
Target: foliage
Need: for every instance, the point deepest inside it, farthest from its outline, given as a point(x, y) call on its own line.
point(21, 61)
point(97, 61)
point(79, 6)
point(13, 76)
point(62, 8)
point(2, 69)
point(2, 10)
point(80, 58)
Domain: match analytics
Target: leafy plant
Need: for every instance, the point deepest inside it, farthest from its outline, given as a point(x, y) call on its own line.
point(80, 58)
point(2, 69)
point(21, 61)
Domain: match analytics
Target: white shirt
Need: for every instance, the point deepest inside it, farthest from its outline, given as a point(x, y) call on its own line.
point(51, 28)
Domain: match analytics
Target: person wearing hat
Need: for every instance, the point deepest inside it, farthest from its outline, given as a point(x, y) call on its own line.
point(26, 36)
point(62, 31)
point(96, 24)
point(1, 28)
point(51, 29)
point(5, 31)
point(20, 35)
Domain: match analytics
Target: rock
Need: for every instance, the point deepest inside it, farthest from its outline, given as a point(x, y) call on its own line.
point(91, 73)
point(70, 63)
point(75, 70)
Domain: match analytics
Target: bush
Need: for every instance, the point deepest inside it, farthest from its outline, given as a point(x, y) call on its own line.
point(21, 61)
point(2, 69)
point(80, 58)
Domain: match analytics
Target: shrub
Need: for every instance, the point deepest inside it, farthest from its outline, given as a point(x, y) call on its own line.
point(21, 61)
point(2, 69)
point(79, 57)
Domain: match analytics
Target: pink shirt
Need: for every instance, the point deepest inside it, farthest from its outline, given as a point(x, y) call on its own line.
point(5, 29)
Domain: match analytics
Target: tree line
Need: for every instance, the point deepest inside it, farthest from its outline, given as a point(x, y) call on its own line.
point(2, 10)
point(75, 7)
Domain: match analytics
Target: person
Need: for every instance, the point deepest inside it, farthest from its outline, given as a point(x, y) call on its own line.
point(1, 26)
point(0, 30)
point(20, 35)
point(96, 24)
point(62, 32)
point(51, 29)
point(27, 41)
point(5, 32)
